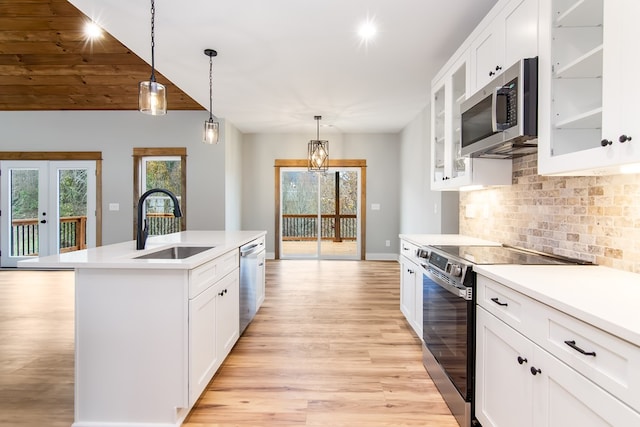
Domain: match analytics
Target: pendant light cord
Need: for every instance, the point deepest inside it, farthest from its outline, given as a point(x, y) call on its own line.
point(211, 88)
point(153, 24)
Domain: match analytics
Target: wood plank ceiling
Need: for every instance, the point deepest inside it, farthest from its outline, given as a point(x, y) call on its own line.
point(46, 63)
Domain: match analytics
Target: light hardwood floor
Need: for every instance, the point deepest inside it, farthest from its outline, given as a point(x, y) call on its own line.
point(329, 347)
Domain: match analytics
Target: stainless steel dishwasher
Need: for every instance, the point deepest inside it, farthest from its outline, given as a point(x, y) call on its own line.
point(251, 255)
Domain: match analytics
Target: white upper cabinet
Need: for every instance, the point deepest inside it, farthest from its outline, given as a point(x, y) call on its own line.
point(510, 37)
point(507, 34)
point(588, 123)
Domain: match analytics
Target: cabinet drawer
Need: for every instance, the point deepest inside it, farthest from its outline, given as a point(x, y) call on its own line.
point(408, 249)
point(207, 274)
point(508, 305)
point(610, 362)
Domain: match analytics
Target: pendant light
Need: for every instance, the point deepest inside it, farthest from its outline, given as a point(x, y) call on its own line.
point(152, 96)
point(318, 160)
point(211, 127)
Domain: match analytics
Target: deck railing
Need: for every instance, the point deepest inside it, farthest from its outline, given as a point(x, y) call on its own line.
point(332, 227)
point(162, 223)
point(25, 236)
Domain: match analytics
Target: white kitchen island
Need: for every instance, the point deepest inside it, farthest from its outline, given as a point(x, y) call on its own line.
point(151, 333)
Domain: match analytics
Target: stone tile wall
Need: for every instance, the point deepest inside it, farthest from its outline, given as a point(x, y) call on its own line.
point(591, 218)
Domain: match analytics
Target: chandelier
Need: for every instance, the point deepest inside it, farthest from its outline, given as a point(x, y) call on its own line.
point(318, 159)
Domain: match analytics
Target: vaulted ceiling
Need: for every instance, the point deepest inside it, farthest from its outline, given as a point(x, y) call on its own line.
point(47, 64)
point(279, 63)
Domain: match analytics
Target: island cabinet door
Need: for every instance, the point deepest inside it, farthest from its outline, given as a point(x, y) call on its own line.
point(203, 354)
point(227, 313)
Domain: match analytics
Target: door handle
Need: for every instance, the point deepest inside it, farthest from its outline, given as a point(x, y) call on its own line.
point(44, 221)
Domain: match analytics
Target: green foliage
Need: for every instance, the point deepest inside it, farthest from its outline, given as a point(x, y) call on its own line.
point(73, 192)
point(300, 192)
point(24, 193)
point(164, 174)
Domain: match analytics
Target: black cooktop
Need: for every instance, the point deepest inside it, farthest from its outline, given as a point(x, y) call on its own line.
point(488, 255)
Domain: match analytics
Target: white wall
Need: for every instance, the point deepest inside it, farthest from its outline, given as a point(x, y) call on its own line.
point(259, 152)
point(422, 210)
point(233, 178)
point(231, 184)
point(115, 134)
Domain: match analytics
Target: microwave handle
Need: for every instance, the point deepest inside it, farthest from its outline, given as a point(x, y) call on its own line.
point(498, 91)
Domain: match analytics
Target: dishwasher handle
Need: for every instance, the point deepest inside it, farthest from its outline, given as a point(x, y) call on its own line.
point(250, 249)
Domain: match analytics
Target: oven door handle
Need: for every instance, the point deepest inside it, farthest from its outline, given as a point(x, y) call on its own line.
point(464, 293)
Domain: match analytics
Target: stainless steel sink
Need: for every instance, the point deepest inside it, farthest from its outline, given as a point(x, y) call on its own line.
point(175, 252)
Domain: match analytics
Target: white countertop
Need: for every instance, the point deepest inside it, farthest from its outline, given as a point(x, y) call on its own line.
point(604, 297)
point(121, 255)
point(445, 239)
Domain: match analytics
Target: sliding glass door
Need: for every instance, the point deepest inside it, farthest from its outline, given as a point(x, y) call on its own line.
point(48, 207)
point(320, 214)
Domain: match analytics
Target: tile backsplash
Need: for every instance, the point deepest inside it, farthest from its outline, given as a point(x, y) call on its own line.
point(594, 218)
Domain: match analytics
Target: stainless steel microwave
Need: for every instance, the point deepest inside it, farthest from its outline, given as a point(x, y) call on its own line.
point(500, 121)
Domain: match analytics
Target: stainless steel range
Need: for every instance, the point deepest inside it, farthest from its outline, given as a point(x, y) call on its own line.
point(449, 315)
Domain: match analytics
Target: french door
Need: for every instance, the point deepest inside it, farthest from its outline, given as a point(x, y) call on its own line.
point(320, 214)
point(48, 207)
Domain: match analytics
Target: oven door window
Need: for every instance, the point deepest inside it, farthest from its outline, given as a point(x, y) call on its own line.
point(448, 333)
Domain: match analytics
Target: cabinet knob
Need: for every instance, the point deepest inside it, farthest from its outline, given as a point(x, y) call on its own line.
point(624, 138)
point(535, 371)
point(522, 360)
point(605, 142)
point(493, 73)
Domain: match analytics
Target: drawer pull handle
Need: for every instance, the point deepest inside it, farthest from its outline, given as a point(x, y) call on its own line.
point(535, 371)
point(573, 345)
point(522, 360)
point(497, 301)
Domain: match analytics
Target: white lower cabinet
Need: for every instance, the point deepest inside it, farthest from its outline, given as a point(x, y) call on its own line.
point(411, 287)
point(227, 314)
point(499, 376)
point(519, 383)
point(213, 330)
point(203, 355)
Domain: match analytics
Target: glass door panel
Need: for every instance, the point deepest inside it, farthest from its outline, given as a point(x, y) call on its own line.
point(75, 206)
point(24, 199)
point(51, 208)
point(339, 206)
point(320, 214)
point(299, 214)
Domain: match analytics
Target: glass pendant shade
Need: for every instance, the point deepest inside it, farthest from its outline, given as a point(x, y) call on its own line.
point(211, 127)
point(211, 132)
point(318, 155)
point(152, 98)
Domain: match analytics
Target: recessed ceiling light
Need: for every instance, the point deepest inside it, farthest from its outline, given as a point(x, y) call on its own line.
point(92, 31)
point(367, 30)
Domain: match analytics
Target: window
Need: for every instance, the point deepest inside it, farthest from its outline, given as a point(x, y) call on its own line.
point(160, 168)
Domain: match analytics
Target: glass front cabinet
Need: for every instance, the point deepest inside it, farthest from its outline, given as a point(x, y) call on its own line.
point(449, 169)
point(588, 87)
